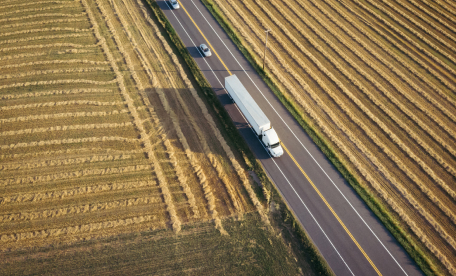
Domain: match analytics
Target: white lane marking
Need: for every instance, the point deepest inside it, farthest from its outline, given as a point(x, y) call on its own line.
point(263, 145)
point(301, 142)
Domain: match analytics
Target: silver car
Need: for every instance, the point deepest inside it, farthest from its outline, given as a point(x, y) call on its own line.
point(174, 4)
point(206, 51)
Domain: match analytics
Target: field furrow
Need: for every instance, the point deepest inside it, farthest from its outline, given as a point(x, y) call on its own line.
point(434, 16)
point(423, 23)
point(443, 94)
point(372, 85)
point(450, 104)
point(442, 8)
point(403, 35)
point(433, 45)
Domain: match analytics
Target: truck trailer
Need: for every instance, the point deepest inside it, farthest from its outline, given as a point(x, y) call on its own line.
point(255, 116)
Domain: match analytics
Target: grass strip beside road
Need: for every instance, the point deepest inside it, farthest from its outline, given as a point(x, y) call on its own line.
point(407, 239)
point(290, 229)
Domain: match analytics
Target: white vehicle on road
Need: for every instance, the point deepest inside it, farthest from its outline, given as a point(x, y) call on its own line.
point(255, 116)
point(174, 4)
point(206, 51)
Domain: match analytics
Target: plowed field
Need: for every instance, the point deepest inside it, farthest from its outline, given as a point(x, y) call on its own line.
point(377, 79)
point(102, 133)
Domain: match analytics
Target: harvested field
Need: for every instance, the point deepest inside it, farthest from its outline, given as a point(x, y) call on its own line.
point(102, 134)
point(377, 80)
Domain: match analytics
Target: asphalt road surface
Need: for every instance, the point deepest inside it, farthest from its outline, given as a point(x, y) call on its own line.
point(346, 232)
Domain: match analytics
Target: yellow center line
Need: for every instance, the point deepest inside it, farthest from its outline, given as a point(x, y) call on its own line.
point(207, 41)
point(332, 211)
point(294, 160)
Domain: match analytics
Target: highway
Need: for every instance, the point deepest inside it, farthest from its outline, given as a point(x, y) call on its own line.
point(345, 231)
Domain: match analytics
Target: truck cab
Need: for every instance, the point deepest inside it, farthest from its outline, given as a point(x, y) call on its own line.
point(272, 142)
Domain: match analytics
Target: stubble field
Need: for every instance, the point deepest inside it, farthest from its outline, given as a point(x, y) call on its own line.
point(102, 134)
point(377, 80)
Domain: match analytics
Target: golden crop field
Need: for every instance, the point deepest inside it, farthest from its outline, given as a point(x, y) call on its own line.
point(377, 79)
point(102, 134)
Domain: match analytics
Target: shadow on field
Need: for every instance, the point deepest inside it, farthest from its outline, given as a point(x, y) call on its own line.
point(173, 106)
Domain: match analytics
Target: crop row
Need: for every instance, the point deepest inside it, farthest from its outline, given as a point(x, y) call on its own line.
point(373, 96)
point(145, 139)
point(62, 115)
point(51, 82)
point(15, 5)
point(424, 28)
point(44, 46)
point(389, 132)
point(47, 37)
point(45, 62)
point(63, 128)
point(22, 18)
point(63, 162)
point(403, 35)
point(45, 22)
point(77, 191)
point(443, 22)
point(55, 92)
point(412, 84)
point(398, 58)
point(79, 209)
point(72, 230)
point(28, 55)
point(387, 50)
point(56, 71)
point(62, 103)
point(31, 10)
point(53, 29)
point(69, 141)
point(74, 174)
point(442, 6)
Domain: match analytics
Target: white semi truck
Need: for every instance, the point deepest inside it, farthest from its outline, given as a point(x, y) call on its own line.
point(257, 119)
